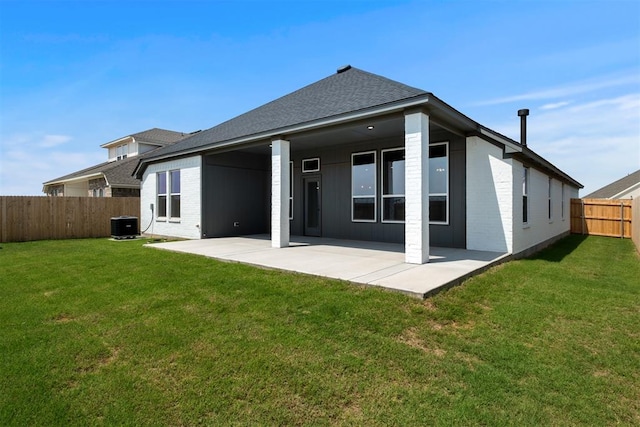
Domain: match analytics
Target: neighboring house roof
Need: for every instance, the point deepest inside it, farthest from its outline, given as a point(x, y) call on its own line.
point(155, 136)
point(349, 94)
point(620, 186)
point(117, 174)
point(120, 173)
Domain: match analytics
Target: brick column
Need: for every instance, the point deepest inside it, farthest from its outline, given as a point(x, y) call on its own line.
point(416, 141)
point(280, 193)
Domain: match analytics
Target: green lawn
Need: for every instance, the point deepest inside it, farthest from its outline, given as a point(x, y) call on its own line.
point(96, 332)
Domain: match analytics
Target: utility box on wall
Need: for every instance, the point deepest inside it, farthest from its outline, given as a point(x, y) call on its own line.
point(124, 227)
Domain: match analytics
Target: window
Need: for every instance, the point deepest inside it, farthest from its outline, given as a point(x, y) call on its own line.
point(311, 165)
point(393, 185)
point(122, 151)
point(549, 206)
point(290, 190)
point(525, 196)
point(363, 186)
point(439, 183)
point(562, 202)
point(174, 184)
point(162, 194)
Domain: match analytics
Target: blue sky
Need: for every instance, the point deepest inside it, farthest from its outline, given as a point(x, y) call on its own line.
point(74, 75)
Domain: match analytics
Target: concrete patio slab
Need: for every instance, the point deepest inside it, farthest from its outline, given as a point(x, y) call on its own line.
point(370, 263)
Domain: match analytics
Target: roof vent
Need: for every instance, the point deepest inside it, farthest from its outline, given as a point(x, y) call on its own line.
point(523, 125)
point(344, 68)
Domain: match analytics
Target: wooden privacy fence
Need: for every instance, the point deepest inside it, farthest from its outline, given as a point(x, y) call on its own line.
point(601, 217)
point(24, 218)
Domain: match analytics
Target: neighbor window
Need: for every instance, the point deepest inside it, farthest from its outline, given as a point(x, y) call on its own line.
point(393, 185)
point(525, 195)
point(311, 165)
point(174, 185)
point(122, 151)
point(363, 186)
point(439, 183)
point(161, 179)
point(549, 205)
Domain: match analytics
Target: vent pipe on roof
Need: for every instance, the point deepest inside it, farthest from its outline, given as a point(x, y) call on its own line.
point(523, 125)
point(343, 69)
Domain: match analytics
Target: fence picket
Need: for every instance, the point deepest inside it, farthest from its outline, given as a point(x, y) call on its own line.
point(24, 218)
point(601, 217)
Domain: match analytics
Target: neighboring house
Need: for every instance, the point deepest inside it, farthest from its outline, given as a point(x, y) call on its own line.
point(358, 156)
point(624, 188)
point(114, 178)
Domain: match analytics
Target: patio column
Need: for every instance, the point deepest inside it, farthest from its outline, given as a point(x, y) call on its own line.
point(416, 145)
point(280, 193)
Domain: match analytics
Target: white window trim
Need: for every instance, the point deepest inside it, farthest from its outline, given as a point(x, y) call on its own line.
point(447, 194)
point(171, 194)
point(305, 170)
point(375, 188)
point(382, 152)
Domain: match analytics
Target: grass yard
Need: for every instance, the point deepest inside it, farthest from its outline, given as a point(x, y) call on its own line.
point(96, 332)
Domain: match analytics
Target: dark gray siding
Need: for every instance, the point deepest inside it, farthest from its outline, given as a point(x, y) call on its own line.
point(335, 174)
point(236, 189)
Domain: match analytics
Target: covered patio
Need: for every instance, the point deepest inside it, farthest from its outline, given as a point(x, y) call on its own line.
point(362, 262)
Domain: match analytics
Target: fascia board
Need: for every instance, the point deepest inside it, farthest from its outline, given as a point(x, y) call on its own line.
point(509, 146)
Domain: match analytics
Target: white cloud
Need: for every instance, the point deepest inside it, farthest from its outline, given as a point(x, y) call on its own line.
point(28, 160)
point(555, 105)
point(572, 89)
point(595, 142)
point(53, 140)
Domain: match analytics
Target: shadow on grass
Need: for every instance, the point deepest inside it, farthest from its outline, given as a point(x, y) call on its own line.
point(560, 249)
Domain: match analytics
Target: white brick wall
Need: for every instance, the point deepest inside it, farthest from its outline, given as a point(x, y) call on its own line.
point(190, 199)
point(416, 188)
point(280, 155)
point(489, 197)
point(539, 227)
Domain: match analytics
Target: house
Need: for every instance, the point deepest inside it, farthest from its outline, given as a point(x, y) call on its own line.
point(113, 178)
point(624, 188)
point(358, 156)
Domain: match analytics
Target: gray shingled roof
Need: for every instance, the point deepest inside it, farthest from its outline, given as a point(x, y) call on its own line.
point(117, 173)
point(159, 136)
point(349, 91)
point(615, 187)
point(344, 92)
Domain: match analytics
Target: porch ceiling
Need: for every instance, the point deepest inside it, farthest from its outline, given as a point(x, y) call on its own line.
point(348, 133)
